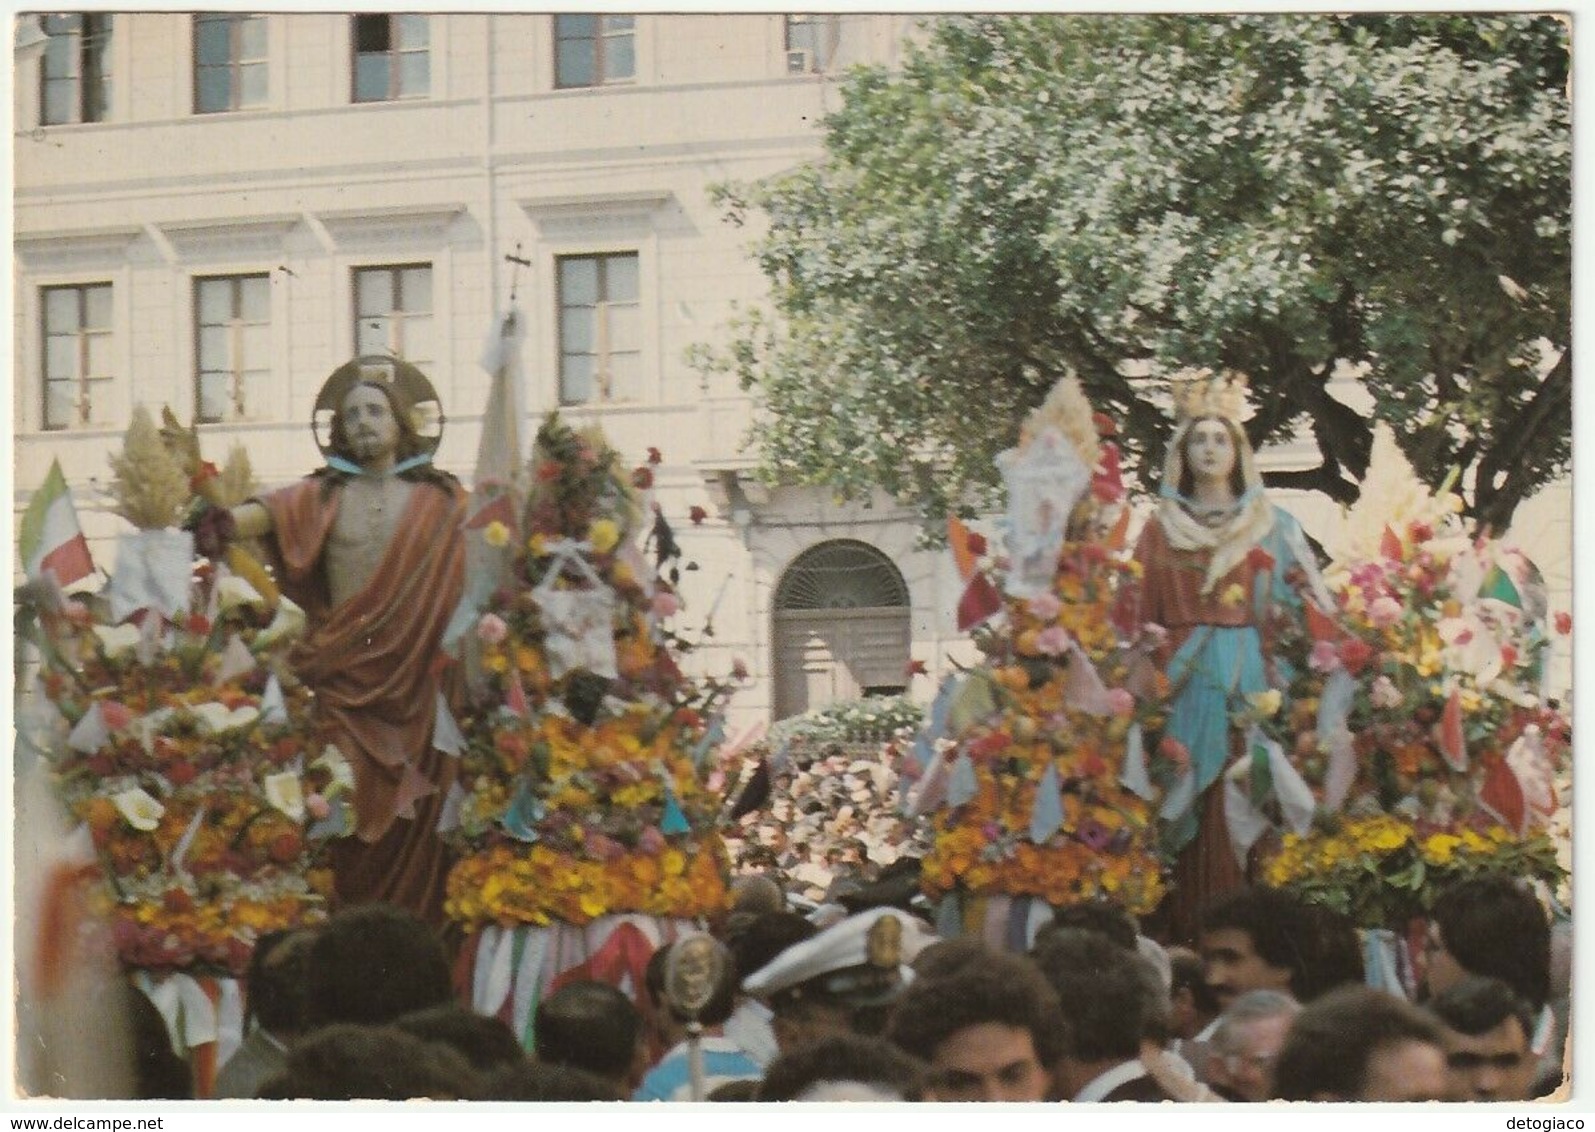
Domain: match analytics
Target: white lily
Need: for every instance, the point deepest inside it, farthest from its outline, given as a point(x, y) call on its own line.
point(286, 624)
point(342, 773)
point(117, 639)
point(141, 811)
point(284, 792)
point(232, 591)
point(217, 718)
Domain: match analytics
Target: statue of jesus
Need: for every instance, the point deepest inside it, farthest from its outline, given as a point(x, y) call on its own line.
point(371, 547)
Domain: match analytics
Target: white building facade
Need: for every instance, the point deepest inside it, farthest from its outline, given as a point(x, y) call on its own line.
point(213, 212)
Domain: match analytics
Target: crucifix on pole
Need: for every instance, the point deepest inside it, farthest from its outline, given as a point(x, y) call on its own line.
point(519, 261)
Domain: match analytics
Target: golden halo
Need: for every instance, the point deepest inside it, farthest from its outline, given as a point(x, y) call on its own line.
point(426, 411)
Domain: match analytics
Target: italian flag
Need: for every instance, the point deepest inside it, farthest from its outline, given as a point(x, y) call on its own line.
point(50, 538)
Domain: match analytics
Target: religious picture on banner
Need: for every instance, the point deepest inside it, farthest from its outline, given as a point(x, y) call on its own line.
point(1045, 479)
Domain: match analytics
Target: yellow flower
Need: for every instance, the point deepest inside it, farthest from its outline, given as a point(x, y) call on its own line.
point(1439, 847)
point(603, 534)
point(538, 545)
point(1233, 594)
point(1266, 703)
point(496, 534)
point(497, 662)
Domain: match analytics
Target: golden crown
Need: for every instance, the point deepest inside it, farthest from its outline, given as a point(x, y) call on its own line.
point(1204, 393)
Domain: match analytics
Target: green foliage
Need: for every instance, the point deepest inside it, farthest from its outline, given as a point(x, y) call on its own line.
point(1279, 194)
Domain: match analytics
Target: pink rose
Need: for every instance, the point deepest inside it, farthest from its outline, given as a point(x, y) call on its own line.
point(651, 841)
point(1324, 657)
point(666, 605)
point(1053, 641)
point(1384, 612)
point(1384, 693)
point(1045, 607)
point(491, 629)
point(1120, 701)
point(1174, 751)
point(317, 806)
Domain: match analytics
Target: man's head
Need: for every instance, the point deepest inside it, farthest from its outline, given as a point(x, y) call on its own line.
point(592, 1026)
point(1109, 995)
point(1191, 1002)
point(372, 426)
point(1490, 926)
point(1253, 939)
point(1360, 1044)
point(1247, 1042)
point(1098, 916)
point(1487, 1032)
point(373, 963)
point(486, 1043)
point(350, 1063)
point(989, 1031)
point(831, 982)
point(843, 1067)
point(276, 981)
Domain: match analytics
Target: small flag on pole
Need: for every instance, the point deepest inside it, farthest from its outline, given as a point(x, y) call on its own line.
point(50, 538)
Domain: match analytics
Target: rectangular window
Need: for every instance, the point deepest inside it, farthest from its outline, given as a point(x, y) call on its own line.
point(393, 312)
point(76, 74)
point(391, 57)
point(229, 62)
point(232, 351)
point(591, 50)
point(600, 338)
point(810, 42)
point(77, 355)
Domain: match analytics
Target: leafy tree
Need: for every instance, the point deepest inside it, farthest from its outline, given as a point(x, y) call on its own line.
point(1130, 195)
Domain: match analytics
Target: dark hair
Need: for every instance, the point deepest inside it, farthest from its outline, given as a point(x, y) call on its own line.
point(158, 1073)
point(1109, 995)
point(653, 976)
point(1477, 1005)
point(1276, 924)
point(1494, 926)
point(275, 981)
point(373, 963)
point(946, 956)
point(1101, 916)
point(383, 1063)
point(1004, 989)
point(1237, 476)
point(765, 936)
point(1333, 950)
point(1187, 973)
point(1331, 1042)
point(534, 1081)
point(842, 1057)
point(484, 1042)
point(409, 442)
point(590, 1026)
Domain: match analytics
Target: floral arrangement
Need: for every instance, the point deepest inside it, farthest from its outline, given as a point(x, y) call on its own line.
point(176, 732)
point(1382, 870)
point(873, 719)
point(1417, 721)
point(179, 746)
point(586, 749)
point(1041, 787)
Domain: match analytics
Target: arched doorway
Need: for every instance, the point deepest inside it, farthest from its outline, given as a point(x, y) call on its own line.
point(841, 627)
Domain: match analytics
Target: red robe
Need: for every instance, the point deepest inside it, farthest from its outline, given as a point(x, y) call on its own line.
point(373, 664)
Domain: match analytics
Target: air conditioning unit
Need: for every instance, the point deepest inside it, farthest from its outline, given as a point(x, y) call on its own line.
point(799, 62)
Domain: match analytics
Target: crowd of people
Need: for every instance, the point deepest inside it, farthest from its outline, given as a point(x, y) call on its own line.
point(872, 1005)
